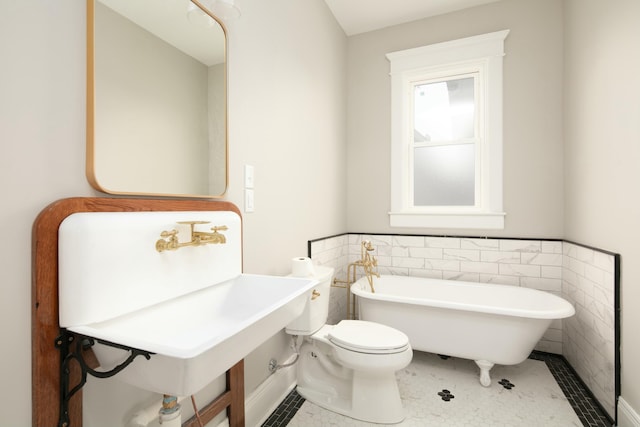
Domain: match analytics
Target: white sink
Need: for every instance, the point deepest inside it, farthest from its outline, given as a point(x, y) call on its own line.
point(197, 337)
point(192, 307)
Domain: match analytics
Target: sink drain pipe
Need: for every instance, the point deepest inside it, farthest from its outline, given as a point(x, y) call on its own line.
point(158, 411)
point(170, 412)
point(147, 415)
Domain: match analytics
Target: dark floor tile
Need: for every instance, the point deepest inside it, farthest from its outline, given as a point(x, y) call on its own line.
point(580, 398)
point(285, 411)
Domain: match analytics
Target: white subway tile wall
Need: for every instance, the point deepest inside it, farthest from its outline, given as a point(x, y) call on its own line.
point(333, 252)
point(588, 282)
point(530, 263)
point(583, 276)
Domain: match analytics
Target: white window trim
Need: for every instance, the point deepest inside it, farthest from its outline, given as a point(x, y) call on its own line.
point(484, 52)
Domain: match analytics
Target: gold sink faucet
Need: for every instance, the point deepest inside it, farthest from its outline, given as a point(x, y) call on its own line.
point(169, 239)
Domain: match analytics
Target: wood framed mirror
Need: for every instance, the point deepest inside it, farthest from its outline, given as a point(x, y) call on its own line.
point(156, 98)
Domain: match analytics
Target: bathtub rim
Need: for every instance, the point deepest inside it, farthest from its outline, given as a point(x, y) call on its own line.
point(564, 310)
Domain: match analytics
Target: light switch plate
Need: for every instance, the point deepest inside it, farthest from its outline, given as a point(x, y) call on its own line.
point(248, 176)
point(248, 200)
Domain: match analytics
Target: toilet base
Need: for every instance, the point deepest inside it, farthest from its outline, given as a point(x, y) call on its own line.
point(365, 396)
point(374, 400)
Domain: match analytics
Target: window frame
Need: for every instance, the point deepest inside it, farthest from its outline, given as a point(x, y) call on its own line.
point(482, 54)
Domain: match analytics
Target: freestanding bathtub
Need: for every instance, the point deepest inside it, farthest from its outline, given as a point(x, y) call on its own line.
point(486, 323)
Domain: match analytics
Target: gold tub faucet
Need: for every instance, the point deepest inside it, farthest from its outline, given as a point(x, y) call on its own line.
point(367, 262)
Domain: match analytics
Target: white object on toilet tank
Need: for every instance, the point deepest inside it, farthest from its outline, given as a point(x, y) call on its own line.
point(316, 309)
point(302, 267)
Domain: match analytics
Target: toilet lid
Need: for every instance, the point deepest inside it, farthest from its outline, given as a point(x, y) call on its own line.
point(368, 337)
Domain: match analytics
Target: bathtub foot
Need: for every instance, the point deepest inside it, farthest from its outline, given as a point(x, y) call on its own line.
point(485, 366)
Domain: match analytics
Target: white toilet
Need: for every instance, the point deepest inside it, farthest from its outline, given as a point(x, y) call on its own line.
point(349, 368)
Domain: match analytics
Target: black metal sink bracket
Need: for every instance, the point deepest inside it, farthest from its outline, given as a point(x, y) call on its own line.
point(64, 344)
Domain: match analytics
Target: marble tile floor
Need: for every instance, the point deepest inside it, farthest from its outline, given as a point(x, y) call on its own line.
point(444, 391)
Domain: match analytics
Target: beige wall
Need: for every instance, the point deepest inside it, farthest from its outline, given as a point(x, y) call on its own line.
point(287, 98)
point(602, 150)
point(42, 125)
point(532, 114)
point(287, 118)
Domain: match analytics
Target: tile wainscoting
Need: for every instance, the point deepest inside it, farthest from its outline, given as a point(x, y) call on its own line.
point(587, 277)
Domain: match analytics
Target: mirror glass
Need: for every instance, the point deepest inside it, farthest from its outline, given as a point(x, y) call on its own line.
point(156, 98)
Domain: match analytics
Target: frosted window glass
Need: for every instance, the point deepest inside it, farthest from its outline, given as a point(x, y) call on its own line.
point(444, 175)
point(444, 111)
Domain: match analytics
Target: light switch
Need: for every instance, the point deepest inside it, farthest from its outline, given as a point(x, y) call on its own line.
point(248, 200)
point(248, 176)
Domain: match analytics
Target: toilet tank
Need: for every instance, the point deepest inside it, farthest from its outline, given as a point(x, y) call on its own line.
point(316, 310)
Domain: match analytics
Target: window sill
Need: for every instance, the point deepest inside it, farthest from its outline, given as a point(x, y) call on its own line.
point(493, 220)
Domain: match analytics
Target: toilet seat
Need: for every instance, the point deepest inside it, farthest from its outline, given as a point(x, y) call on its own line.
point(368, 337)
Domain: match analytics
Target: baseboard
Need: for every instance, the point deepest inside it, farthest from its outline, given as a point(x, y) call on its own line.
point(627, 416)
point(266, 398)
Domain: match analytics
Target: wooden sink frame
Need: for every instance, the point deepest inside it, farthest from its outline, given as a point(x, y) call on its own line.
point(45, 329)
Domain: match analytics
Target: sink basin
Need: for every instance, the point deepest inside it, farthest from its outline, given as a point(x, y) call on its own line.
point(192, 307)
point(199, 336)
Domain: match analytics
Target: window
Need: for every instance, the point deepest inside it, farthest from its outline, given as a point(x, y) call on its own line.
point(443, 146)
point(446, 156)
